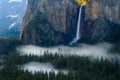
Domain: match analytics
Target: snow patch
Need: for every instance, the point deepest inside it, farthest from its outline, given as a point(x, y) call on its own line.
point(15, 1)
point(12, 25)
point(12, 16)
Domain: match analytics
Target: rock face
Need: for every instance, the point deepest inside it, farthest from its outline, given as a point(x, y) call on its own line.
point(110, 9)
point(49, 22)
point(100, 17)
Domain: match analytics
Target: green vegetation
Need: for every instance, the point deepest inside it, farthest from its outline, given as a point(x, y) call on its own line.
point(115, 49)
point(80, 68)
point(73, 1)
point(8, 45)
point(113, 37)
point(39, 19)
point(47, 35)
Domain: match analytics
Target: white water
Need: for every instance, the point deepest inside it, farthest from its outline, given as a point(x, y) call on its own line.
point(78, 28)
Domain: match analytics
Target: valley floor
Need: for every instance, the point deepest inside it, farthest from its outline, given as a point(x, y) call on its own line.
point(83, 62)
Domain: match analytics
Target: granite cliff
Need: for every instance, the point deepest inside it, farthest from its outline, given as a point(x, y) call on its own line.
point(50, 22)
point(102, 20)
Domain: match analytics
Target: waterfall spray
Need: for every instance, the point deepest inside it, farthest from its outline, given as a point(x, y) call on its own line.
point(78, 28)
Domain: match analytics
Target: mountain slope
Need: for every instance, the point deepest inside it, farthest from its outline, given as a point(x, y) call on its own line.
point(60, 17)
point(11, 15)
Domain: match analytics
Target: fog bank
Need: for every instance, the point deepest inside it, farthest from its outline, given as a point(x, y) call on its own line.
point(41, 67)
point(100, 50)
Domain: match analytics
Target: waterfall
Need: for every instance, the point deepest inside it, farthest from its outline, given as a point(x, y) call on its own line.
point(78, 29)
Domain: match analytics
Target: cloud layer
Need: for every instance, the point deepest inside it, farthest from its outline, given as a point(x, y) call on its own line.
point(100, 50)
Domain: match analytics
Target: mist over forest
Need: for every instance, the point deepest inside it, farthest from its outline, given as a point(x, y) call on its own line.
point(59, 40)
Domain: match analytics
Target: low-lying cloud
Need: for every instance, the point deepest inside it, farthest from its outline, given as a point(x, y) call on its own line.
point(100, 50)
point(41, 67)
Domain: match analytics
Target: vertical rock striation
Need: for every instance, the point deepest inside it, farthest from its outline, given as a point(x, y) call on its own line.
point(50, 22)
point(53, 21)
point(100, 17)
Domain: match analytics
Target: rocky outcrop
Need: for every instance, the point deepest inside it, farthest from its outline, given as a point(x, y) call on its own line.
point(101, 29)
point(51, 22)
point(110, 9)
point(101, 18)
